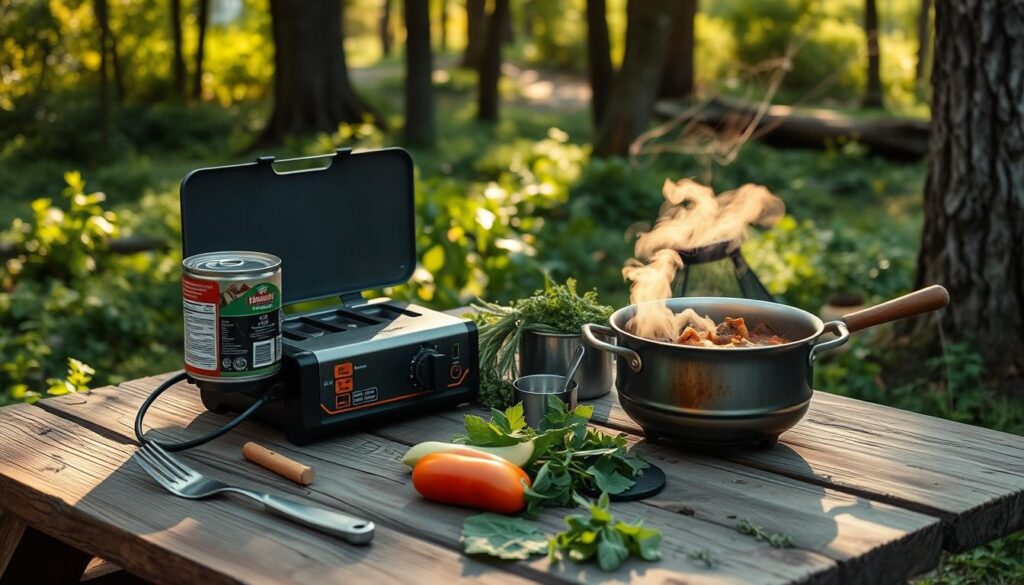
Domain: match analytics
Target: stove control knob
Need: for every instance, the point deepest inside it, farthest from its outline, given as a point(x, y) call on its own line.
point(428, 370)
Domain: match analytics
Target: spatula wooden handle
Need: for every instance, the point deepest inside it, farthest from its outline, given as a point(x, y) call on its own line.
point(922, 301)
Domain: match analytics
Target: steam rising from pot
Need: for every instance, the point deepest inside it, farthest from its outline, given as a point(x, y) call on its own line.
point(691, 217)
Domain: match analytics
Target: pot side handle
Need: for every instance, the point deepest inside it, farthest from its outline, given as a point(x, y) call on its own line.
point(843, 335)
point(632, 358)
point(922, 301)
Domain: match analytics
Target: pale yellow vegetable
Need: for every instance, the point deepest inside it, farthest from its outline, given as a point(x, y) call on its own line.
point(518, 454)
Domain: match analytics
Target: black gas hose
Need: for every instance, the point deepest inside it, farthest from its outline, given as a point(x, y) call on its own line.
point(181, 446)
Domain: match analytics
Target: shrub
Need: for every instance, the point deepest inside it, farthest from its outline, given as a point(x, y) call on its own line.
point(69, 306)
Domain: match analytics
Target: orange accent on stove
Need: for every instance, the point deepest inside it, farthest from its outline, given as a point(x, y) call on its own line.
point(465, 374)
point(342, 385)
point(339, 410)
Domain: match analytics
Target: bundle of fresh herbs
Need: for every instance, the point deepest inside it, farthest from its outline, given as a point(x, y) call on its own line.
point(556, 309)
point(569, 458)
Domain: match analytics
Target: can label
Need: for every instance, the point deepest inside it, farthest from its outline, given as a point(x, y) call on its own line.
point(232, 329)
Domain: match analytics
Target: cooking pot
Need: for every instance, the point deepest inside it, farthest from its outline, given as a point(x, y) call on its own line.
point(740, 395)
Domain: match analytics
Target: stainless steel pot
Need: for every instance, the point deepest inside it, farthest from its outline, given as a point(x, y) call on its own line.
point(719, 396)
point(551, 353)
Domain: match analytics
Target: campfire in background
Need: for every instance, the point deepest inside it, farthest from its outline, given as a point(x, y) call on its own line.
point(691, 218)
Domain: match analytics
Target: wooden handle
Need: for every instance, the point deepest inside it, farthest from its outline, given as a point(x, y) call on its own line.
point(279, 464)
point(927, 299)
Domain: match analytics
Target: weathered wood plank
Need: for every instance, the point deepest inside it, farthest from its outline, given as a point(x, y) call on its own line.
point(364, 471)
point(872, 542)
point(81, 488)
point(972, 478)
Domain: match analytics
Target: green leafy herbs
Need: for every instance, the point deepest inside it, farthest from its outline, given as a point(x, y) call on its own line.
point(702, 556)
point(599, 535)
point(502, 537)
point(775, 539)
point(556, 309)
point(568, 456)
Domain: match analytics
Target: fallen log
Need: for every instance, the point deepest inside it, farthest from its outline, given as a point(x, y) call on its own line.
point(125, 245)
point(785, 126)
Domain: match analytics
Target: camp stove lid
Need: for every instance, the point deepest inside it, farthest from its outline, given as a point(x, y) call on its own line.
point(339, 229)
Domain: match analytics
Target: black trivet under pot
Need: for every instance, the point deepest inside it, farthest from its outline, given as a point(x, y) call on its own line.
point(650, 482)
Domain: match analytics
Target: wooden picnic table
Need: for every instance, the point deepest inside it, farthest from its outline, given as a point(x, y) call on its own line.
point(869, 494)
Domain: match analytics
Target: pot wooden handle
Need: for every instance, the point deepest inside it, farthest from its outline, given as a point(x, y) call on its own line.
point(922, 301)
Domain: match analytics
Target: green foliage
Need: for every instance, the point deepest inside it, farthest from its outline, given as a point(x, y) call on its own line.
point(502, 537)
point(66, 301)
point(599, 535)
point(774, 539)
point(998, 563)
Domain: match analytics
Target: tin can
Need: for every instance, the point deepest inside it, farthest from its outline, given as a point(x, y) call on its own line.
point(232, 309)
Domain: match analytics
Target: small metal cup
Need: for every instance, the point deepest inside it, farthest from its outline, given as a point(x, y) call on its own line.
point(533, 392)
point(550, 353)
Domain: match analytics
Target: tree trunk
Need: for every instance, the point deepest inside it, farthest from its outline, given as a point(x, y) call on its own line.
point(677, 74)
point(973, 241)
point(873, 95)
point(923, 40)
point(197, 75)
point(490, 63)
point(178, 60)
point(599, 60)
point(649, 23)
point(442, 26)
point(102, 19)
point(385, 27)
point(115, 63)
point(476, 20)
point(312, 90)
point(419, 68)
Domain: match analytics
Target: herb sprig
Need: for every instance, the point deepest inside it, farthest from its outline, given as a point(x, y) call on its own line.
point(598, 534)
point(775, 539)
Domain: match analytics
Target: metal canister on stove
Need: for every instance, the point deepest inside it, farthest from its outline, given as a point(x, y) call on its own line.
point(232, 310)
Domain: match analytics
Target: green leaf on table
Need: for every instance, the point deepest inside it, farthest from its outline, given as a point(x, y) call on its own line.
point(598, 534)
point(503, 537)
point(482, 433)
point(515, 416)
point(611, 549)
point(607, 478)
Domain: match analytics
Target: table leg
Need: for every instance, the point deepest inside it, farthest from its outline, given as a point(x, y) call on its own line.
point(30, 556)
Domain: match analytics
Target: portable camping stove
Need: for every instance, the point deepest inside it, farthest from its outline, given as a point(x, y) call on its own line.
point(339, 230)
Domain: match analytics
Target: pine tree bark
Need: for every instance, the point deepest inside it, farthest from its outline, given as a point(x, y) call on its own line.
point(197, 75)
point(599, 60)
point(419, 69)
point(385, 27)
point(973, 240)
point(873, 95)
point(677, 74)
point(924, 40)
point(476, 22)
point(490, 63)
point(178, 58)
point(312, 89)
point(649, 23)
